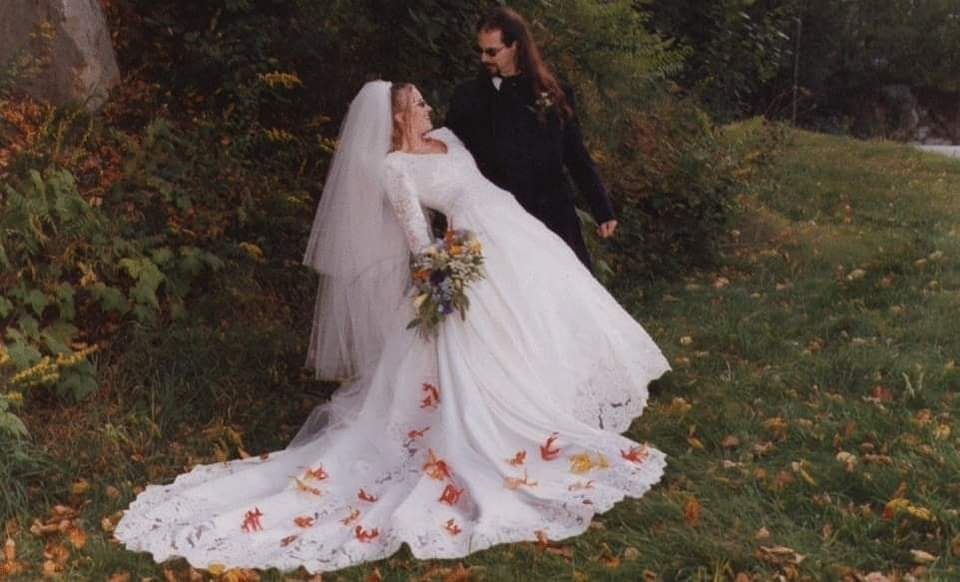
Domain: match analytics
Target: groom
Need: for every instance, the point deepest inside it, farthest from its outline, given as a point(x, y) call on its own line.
point(519, 124)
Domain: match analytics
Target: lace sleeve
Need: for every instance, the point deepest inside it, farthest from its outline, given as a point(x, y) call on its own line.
point(403, 198)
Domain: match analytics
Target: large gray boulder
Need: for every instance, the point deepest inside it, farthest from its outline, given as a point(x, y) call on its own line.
point(82, 66)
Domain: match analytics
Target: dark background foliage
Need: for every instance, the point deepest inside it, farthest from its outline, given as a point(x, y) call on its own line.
point(744, 54)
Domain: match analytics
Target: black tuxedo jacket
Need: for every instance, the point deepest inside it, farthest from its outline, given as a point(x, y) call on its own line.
point(525, 153)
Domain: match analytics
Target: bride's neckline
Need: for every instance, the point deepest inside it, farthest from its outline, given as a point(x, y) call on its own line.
point(446, 148)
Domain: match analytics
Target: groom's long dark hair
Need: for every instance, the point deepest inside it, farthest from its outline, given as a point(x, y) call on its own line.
point(513, 28)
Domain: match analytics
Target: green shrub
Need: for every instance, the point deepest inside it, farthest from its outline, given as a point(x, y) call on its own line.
point(72, 269)
point(674, 183)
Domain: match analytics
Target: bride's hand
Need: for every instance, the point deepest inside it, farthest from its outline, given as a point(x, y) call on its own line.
point(607, 229)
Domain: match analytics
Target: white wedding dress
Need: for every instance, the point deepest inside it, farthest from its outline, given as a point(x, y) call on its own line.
point(503, 428)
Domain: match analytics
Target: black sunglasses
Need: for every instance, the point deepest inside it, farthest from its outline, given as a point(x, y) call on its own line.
point(490, 52)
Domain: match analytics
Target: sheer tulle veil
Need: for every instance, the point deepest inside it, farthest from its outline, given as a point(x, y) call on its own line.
point(356, 244)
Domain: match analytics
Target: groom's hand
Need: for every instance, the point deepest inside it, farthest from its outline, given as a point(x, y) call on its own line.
point(606, 229)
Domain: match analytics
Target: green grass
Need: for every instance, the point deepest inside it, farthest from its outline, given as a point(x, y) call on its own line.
point(829, 326)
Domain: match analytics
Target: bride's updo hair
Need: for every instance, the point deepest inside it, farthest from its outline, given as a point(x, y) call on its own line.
point(400, 103)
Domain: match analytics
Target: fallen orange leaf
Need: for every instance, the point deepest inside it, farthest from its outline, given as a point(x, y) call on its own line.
point(77, 537)
point(691, 511)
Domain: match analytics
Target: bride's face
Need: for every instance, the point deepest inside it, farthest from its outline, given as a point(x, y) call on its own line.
point(418, 114)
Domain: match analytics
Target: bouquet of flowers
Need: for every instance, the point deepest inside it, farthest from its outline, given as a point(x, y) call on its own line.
point(441, 274)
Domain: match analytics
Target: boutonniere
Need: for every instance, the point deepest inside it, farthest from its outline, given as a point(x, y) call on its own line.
point(542, 106)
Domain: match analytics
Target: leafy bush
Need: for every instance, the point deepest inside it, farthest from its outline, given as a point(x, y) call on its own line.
point(674, 182)
point(735, 49)
point(70, 273)
point(604, 50)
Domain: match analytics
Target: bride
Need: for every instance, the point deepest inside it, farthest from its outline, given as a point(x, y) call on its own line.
point(504, 427)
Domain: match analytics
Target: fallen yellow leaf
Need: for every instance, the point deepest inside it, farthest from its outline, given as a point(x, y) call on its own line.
point(798, 468)
point(679, 407)
point(240, 575)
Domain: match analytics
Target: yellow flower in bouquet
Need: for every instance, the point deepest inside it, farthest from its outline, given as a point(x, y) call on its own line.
point(441, 274)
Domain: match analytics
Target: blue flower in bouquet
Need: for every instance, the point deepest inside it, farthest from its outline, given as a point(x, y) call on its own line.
point(441, 274)
point(438, 277)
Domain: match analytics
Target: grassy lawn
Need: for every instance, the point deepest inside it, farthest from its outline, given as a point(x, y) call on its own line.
point(810, 422)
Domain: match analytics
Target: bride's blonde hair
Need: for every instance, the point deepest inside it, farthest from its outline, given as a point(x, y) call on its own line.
point(400, 103)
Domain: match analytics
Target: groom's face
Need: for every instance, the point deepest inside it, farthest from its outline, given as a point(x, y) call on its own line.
point(497, 58)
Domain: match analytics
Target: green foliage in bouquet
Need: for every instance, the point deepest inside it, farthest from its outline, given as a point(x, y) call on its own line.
point(441, 274)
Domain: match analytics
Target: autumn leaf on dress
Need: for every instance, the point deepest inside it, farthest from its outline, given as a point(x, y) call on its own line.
point(317, 474)
point(514, 483)
point(364, 496)
point(364, 535)
point(518, 458)
point(452, 527)
point(635, 454)
point(581, 463)
point(302, 486)
point(432, 396)
point(547, 450)
point(251, 520)
point(352, 517)
point(450, 495)
point(436, 467)
point(414, 434)
point(304, 520)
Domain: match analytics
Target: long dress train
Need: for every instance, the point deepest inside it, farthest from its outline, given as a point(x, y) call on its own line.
point(505, 427)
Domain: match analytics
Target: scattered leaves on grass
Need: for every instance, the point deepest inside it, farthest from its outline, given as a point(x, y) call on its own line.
point(691, 511)
point(903, 505)
point(77, 537)
point(922, 557)
point(678, 407)
point(730, 442)
point(780, 555)
point(777, 427)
